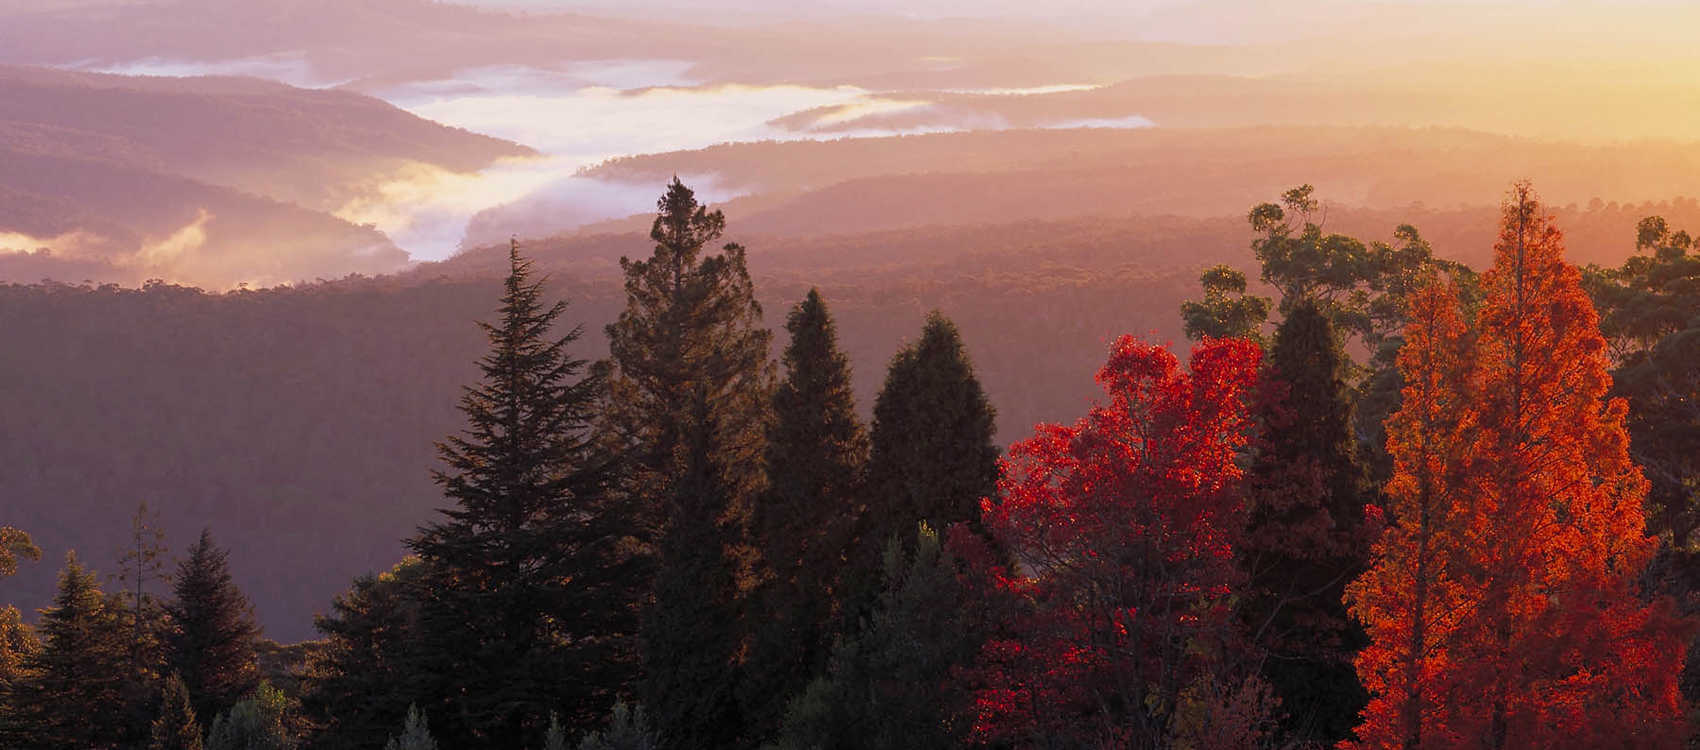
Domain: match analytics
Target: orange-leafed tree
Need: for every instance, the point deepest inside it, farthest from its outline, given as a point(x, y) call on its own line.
point(1124, 526)
point(1504, 606)
point(1409, 600)
point(1561, 648)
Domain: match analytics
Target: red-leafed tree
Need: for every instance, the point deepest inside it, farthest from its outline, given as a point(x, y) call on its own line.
point(1531, 631)
point(1124, 528)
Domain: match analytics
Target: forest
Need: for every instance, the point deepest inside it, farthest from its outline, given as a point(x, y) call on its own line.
point(1386, 498)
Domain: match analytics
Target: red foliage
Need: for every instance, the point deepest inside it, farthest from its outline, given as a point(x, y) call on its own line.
point(1124, 528)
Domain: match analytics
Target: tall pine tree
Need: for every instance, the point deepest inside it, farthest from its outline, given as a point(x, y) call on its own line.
point(523, 611)
point(80, 668)
point(816, 453)
point(690, 396)
point(932, 458)
point(213, 632)
point(1305, 537)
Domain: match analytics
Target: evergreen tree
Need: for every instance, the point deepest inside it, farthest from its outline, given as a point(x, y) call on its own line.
point(889, 686)
point(175, 728)
point(258, 722)
point(142, 562)
point(525, 607)
point(555, 738)
point(80, 667)
point(690, 395)
point(932, 458)
point(1305, 537)
point(690, 633)
point(211, 642)
point(18, 645)
point(362, 682)
point(415, 735)
point(816, 452)
point(628, 729)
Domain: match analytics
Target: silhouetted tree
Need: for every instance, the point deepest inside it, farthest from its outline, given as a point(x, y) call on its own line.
point(213, 633)
point(77, 677)
point(361, 684)
point(1305, 537)
point(524, 607)
point(690, 396)
point(932, 458)
point(816, 453)
point(175, 728)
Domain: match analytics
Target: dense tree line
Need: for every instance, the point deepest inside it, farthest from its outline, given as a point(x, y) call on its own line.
point(1419, 512)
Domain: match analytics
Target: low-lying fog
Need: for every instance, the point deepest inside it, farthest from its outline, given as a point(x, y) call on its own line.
point(578, 115)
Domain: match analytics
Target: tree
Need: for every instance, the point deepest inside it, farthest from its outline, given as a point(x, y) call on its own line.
point(816, 453)
point(628, 729)
point(525, 606)
point(1543, 638)
point(933, 457)
point(1124, 529)
point(81, 664)
point(175, 728)
point(1650, 316)
point(690, 633)
point(1408, 599)
point(13, 545)
point(362, 682)
point(1226, 310)
point(258, 722)
point(690, 394)
point(213, 632)
point(18, 645)
point(891, 686)
point(1305, 536)
point(415, 735)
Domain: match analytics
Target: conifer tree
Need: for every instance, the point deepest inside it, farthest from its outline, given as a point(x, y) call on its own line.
point(18, 645)
point(258, 722)
point(524, 608)
point(1305, 537)
point(1509, 613)
point(816, 453)
point(175, 728)
point(415, 735)
point(81, 665)
point(689, 397)
point(690, 633)
point(932, 457)
point(213, 634)
point(363, 680)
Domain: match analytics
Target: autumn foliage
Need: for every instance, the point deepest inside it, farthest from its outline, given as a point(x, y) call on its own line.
point(1124, 526)
point(1503, 605)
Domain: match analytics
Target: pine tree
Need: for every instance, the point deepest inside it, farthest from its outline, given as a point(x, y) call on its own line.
point(690, 633)
point(364, 678)
point(141, 563)
point(81, 665)
point(415, 735)
point(1305, 537)
point(175, 728)
point(211, 641)
point(816, 453)
point(525, 606)
point(628, 729)
point(932, 458)
point(689, 397)
point(892, 686)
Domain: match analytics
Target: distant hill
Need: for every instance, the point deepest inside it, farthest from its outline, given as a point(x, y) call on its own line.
point(212, 181)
